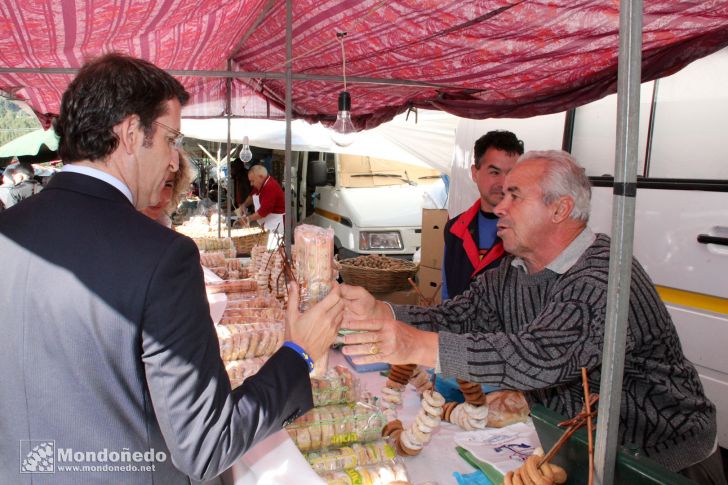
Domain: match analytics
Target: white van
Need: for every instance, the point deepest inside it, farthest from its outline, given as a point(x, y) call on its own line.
point(374, 206)
point(681, 220)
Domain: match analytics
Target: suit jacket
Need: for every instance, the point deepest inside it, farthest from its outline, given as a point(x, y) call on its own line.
point(108, 353)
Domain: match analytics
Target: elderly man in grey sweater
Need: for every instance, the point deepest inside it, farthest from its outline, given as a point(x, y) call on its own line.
point(534, 321)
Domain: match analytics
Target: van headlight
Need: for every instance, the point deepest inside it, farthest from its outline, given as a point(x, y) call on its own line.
point(369, 240)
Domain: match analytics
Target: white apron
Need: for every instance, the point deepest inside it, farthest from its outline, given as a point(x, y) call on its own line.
point(273, 223)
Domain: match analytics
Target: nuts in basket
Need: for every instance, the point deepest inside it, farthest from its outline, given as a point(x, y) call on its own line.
point(378, 274)
point(379, 262)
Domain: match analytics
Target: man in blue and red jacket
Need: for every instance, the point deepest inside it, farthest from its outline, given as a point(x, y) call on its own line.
point(471, 244)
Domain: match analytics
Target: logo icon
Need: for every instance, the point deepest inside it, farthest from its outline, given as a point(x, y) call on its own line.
point(37, 456)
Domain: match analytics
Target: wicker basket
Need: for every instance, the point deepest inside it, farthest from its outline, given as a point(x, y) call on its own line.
point(244, 243)
point(378, 280)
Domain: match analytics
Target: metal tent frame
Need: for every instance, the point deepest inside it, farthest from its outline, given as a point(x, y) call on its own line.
point(620, 252)
point(625, 189)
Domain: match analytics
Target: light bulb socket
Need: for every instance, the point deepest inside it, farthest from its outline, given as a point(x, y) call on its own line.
point(344, 101)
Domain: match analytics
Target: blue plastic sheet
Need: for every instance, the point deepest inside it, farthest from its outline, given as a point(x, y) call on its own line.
point(475, 478)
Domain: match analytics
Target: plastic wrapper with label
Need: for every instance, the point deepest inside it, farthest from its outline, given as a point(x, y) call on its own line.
point(367, 475)
point(228, 268)
point(338, 386)
point(336, 426)
point(222, 245)
point(239, 341)
point(355, 455)
point(313, 256)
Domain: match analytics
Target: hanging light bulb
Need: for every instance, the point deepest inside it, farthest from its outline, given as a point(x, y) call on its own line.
point(343, 131)
point(245, 154)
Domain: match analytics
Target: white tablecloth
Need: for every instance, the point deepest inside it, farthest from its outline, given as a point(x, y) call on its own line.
point(438, 460)
point(276, 460)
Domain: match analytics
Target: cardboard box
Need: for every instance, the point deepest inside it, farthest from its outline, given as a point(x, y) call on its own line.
point(361, 171)
point(401, 297)
point(429, 280)
point(433, 240)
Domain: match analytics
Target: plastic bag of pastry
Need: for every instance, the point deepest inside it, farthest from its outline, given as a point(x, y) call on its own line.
point(368, 475)
point(338, 386)
point(506, 407)
point(252, 315)
point(212, 259)
point(493, 410)
point(253, 300)
point(357, 454)
point(239, 370)
point(245, 341)
point(231, 286)
point(313, 257)
point(336, 426)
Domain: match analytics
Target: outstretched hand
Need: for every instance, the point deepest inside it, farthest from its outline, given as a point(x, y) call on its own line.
point(389, 340)
point(316, 328)
point(359, 304)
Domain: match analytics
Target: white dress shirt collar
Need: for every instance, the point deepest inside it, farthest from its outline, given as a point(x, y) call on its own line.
point(568, 257)
point(101, 175)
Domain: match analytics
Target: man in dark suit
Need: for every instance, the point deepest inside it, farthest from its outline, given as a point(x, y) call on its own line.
point(109, 359)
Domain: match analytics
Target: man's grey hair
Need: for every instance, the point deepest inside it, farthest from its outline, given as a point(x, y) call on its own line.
point(259, 170)
point(563, 177)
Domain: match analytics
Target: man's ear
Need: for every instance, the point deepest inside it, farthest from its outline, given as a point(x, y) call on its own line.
point(473, 173)
point(562, 209)
point(130, 133)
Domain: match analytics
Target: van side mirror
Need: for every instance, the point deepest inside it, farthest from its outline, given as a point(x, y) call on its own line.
point(316, 175)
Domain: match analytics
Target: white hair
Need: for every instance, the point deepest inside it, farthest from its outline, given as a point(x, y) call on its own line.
point(563, 177)
point(259, 170)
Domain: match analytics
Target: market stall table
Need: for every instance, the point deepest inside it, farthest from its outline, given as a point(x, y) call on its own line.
point(276, 460)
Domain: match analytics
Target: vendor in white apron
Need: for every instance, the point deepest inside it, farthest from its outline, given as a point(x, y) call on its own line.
point(268, 203)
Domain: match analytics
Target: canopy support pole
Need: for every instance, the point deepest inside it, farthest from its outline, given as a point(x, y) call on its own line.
point(246, 75)
point(287, 226)
point(620, 260)
point(228, 114)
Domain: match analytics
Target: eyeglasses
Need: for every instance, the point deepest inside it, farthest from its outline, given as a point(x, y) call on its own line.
point(179, 137)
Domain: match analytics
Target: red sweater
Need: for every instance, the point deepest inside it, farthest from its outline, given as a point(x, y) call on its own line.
point(272, 199)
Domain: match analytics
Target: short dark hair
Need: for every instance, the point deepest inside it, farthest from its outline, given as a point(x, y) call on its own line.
point(498, 139)
point(104, 92)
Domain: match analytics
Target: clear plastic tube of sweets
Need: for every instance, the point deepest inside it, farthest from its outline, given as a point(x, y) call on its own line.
point(313, 255)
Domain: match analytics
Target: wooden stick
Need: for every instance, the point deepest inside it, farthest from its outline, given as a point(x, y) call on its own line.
point(416, 288)
point(587, 403)
point(557, 446)
point(575, 423)
point(425, 300)
point(287, 265)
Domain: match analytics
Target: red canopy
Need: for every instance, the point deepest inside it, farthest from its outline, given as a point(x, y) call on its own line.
point(478, 59)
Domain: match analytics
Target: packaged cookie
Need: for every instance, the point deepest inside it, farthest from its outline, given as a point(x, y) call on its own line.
point(338, 386)
point(368, 475)
point(340, 425)
point(357, 454)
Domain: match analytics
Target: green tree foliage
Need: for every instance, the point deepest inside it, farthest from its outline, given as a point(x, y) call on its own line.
point(14, 122)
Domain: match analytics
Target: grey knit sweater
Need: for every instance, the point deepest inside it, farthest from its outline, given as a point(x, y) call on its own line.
point(535, 332)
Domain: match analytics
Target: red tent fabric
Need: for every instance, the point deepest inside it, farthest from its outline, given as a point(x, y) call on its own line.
point(478, 59)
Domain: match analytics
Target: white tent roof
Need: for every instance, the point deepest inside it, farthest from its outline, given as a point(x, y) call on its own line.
point(428, 142)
